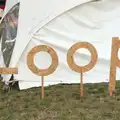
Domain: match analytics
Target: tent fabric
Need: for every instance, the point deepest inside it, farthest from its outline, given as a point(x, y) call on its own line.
point(9, 32)
point(1, 13)
point(38, 16)
point(9, 4)
point(71, 23)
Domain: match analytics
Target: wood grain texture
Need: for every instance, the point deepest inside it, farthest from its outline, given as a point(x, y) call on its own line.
point(42, 90)
point(71, 52)
point(8, 70)
point(115, 62)
point(81, 85)
point(34, 68)
point(82, 69)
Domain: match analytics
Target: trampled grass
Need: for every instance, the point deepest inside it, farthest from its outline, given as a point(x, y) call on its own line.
point(61, 102)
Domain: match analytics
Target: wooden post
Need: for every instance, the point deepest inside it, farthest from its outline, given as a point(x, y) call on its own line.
point(42, 92)
point(81, 84)
point(115, 62)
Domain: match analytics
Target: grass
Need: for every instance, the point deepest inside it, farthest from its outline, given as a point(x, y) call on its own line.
point(61, 102)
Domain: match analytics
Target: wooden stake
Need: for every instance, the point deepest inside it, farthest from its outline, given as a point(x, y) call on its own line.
point(115, 62)
point(111, 93)
point(81, 84)
point(42, 87)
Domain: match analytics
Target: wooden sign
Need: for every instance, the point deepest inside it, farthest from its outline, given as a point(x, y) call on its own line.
point(42, 72)
point(115, 62)
point(82, 69)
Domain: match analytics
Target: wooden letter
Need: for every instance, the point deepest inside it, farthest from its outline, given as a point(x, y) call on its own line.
point(42, 72)
point(115, 62)
point(8, 70)
point(82, 69)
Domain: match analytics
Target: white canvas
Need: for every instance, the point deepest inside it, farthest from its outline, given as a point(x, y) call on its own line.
point(9, 5)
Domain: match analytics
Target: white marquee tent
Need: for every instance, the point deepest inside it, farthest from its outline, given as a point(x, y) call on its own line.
point(60, 24)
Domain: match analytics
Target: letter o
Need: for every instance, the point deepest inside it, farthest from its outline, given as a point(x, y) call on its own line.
point(72, 51)
point(34, 68)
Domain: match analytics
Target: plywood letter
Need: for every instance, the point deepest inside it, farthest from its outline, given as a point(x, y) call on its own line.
point(42, 72)
point(115, 62)
point(82, 69)
point(8, 70)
